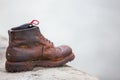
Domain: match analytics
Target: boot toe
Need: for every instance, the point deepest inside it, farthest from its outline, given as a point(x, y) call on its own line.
point(65, 50)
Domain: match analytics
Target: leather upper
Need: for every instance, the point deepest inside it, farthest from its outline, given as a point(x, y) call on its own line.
point(28, 44)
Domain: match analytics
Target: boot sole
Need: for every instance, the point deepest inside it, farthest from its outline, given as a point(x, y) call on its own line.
point(28, 66)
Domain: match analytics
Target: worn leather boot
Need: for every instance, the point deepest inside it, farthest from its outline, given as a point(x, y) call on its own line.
point(29, 48)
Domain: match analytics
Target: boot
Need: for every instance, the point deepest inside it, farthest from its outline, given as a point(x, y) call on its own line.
point(29, 48)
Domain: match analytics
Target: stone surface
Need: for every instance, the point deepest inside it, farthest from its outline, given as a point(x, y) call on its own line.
point(40, 73)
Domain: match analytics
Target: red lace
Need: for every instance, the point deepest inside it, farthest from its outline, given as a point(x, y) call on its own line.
point(34, 22)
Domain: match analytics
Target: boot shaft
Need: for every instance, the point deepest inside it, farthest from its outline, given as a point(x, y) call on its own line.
point(24, 43)
point(23, 35)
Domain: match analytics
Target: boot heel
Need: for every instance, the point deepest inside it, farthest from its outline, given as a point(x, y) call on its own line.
point(18, 66)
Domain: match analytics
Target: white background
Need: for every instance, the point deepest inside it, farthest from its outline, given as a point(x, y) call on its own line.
point(90, 27)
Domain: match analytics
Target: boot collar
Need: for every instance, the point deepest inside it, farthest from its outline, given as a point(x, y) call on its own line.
point(25, 28)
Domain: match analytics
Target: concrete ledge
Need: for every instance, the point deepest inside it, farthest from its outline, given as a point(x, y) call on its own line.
point(58, 73)
point(40, 73)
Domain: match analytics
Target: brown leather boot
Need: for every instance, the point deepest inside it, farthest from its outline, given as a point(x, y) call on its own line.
point(29, 48)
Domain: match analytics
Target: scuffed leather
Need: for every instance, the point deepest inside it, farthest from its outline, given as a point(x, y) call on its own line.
point(27, 44)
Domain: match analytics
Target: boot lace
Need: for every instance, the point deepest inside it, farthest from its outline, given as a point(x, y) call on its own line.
point(45, 40)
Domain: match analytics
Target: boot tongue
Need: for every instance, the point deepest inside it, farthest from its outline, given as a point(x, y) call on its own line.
point(33, 23)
